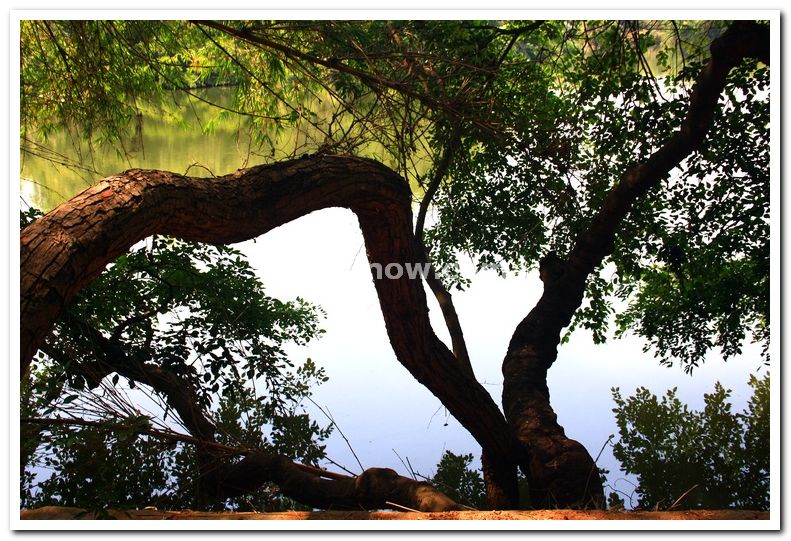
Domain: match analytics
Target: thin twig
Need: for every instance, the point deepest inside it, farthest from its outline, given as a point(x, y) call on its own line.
point(690, 489)
point(595, 461)
point(406, 467)
point(200, 165)
point(402, 507)
point(332, 420)
point(410, 469)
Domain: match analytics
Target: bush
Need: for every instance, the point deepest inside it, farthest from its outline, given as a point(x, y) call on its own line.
point(713, 459)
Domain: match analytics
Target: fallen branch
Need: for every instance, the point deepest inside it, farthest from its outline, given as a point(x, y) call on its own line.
point(375, 488)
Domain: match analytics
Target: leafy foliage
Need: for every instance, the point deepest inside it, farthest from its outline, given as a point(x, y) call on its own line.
point(197, 310)
point(692, 259)
point(96, 469)
point(715, 458)
point(199, 313)
point(708, 284)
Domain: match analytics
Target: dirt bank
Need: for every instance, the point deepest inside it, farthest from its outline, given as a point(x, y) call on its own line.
point(72, 513)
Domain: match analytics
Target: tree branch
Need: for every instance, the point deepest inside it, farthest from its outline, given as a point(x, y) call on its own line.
point(179, 392)
point(743, 39)
point(375, 488)
point(443, 296)
point(373, 81)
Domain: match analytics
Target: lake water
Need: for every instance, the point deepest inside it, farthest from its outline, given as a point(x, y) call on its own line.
point(189, 136)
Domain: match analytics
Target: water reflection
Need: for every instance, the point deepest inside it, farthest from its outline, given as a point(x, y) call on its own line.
point(192, 137)
point(174, 140)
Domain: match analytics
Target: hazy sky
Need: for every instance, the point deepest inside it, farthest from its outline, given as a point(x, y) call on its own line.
point(383, 410)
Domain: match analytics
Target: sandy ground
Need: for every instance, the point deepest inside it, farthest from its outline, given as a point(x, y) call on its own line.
point(71, 513)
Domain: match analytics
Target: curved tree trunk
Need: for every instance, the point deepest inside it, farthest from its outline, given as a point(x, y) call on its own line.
point(66, 249)
point(560, 471)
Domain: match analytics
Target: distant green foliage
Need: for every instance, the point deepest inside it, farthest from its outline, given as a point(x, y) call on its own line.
point(455, 478)
point(199, 312)
point(671, 449)
point(615, 502)
point(458, 481)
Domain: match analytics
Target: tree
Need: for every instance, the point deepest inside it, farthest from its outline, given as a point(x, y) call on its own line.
point(192, 323)
point(185, 320)
point(711, 459)
point(550, 145)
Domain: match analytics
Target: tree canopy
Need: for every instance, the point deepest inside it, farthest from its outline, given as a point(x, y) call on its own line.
point(626, 161)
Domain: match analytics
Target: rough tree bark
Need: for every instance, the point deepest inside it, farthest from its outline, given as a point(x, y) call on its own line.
point(66, 249)
point(560, 471)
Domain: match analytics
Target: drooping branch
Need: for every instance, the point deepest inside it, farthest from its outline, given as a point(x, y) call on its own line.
point(375, 488)
point(164, 435)
point(443, 296)
point(110, 356)
point(66, 249)
point(453, 142)
point(533, 347)
point(373, 80)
